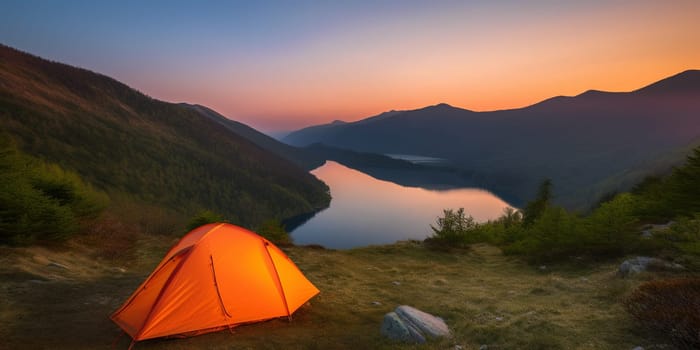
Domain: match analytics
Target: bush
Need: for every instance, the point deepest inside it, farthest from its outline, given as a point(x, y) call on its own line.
point(505, 230)
point(553, 236)
point(202, 218)
point(275, 232)
point(41, 201)
point(684, 185)
point(453, 229)
point(683, 236)
point(669, 308)
point(611, 230)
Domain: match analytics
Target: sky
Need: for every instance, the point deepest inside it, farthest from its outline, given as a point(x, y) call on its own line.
point(282, 65)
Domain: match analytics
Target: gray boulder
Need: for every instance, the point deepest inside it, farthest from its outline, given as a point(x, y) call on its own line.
point(643, 263)
point(394, 327)
point(411, 325)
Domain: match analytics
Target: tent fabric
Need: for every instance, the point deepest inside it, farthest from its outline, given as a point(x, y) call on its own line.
point(216, 276)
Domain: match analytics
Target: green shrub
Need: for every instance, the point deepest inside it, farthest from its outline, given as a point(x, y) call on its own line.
point(611, 230)
point(202, 218)
point(27, 215)
point(553, 236)
point(683, 235)
point(453, 229)
point(556, 234)
point(684, 185)
point(685, 229)
point(40, 201)
point(275, 232)
point(669, 308)
point(507, 229)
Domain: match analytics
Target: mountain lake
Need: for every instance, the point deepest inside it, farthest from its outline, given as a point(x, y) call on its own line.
point(367, 211)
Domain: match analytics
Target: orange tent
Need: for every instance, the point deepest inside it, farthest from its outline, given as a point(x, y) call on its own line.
point(217, 276)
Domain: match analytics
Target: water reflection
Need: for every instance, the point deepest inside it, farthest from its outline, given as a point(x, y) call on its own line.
point(367, 211)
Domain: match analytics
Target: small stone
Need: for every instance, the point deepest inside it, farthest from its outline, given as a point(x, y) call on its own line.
point(396, 283)
point(458, 347)
point(483, 347)
point(499, 318)
point(638, 348)
point(543, 267)
point(376, 303)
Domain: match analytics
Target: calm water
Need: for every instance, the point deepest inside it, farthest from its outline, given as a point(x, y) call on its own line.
point(366, 211)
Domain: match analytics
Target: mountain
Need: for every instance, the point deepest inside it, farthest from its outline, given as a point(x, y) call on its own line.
point(293, 154)
point(579, 142)
point(379, 166)
point(145, 150)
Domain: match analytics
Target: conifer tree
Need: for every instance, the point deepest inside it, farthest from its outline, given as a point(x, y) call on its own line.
point(535, 208)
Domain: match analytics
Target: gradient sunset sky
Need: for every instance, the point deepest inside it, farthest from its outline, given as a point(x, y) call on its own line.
point(288, 64)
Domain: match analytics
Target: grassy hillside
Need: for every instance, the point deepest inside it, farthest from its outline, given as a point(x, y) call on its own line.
point(142, 150)
point(484, 297)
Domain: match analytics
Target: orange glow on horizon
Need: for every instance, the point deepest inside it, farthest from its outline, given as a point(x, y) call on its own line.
point(497, 56)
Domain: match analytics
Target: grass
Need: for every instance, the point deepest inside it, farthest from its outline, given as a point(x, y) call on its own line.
point(485, 298)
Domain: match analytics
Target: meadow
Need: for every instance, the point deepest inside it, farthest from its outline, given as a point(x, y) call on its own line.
point(61, 298)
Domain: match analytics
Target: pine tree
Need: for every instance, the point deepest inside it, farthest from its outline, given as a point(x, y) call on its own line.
point(535, 208)
point(685, 185)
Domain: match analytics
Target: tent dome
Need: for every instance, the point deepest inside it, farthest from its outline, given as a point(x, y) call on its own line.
point(216, 276)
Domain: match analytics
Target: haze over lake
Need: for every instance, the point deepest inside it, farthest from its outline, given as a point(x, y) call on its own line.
point(366, 211)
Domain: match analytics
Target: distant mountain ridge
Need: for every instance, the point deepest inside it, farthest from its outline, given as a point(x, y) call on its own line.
point(134, 146)
point(578, 142)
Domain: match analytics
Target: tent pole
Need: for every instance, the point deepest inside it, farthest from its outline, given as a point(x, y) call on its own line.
point(284, 296)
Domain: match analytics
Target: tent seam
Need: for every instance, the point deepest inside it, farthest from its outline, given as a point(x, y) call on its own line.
point(162, 291)
point(279, 280)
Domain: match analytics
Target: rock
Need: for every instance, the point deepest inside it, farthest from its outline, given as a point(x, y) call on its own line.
point(376, 303)
point(483, 347)
point(395, 328)
point(458, 347)
point(644, 263)
point(396, 283)
point(543, 267)
point(638, 348)
point(411, 325)
point(499, 318)
point(427, 323)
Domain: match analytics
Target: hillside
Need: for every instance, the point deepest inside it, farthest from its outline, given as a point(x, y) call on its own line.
point(141, 150)
point(296, 155)
point(578, 142)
